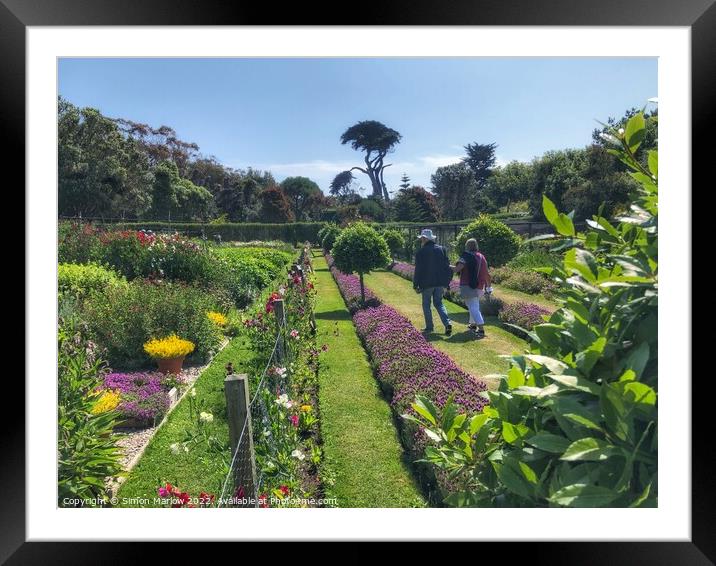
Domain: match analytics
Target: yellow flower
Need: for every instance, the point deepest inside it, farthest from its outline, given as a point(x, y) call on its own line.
point(306, 408)
point(217, 318)
point(169, 347)
point(106, 402)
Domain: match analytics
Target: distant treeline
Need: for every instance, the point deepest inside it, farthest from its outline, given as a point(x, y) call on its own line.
point(116, 168)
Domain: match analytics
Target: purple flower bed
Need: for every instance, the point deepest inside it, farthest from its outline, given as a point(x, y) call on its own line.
point(349, 286)
point(407, 365)
point(524, 315)
point(405, 270)
point(143, 396)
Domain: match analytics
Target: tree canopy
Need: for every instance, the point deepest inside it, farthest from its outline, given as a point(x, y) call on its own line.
point(376, 140)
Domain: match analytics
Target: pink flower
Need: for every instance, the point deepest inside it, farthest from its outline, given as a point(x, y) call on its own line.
point(294, 420)
point(294, 333)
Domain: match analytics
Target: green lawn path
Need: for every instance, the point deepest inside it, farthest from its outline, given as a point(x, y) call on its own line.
point(364, 464)
point(477, 357)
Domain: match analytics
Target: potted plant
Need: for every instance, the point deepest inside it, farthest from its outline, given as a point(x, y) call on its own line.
point(169, 352)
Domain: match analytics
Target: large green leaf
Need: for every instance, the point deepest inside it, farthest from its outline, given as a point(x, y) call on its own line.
point(550, 211)
point(582, 495)
point(424, 407)
point(589, 449)
point(575, 382)
point(512, 433)
point(555, 366)
point(654, 162)
point(549, 442)
point(635, 131)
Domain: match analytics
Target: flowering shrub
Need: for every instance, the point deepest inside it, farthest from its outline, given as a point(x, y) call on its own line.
point(240, 272)
point(217, 318)
point(107, 401)
point(169, 347)
point(524, 315)
point(122, 319)
point(143, 396)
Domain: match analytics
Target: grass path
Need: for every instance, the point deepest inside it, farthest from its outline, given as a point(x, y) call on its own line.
point(364, 464)
point(477, 357)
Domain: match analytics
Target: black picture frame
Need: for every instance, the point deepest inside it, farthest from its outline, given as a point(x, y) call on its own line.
point(699, 15)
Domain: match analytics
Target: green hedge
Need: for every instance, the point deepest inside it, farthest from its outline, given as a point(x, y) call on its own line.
point(296, 232)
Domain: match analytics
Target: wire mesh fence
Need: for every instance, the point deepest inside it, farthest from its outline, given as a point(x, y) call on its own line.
point(250, 415)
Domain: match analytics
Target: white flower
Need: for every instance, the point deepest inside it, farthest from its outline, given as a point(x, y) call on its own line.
point(206, 417)
point(281, 291)
point(175, 448)
point(298, 455)
point(621, 131)
point(281, 372)
point(193, 392)
point(284, 401)
point(610, 138)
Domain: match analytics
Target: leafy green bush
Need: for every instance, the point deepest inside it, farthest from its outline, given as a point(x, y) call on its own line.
point(330, 235)
point(527, 281)
point(574, 422)
point(530, 259)
point(245, 272)
point(87, 454)
point(360, 249)
point(81, 280)
point(497, 241)
point(122, 319)
point(394, 239)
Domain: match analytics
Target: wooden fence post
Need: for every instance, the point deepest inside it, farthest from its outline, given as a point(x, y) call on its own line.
point(238, 414)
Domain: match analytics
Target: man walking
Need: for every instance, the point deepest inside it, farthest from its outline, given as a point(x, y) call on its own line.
point(432, 275)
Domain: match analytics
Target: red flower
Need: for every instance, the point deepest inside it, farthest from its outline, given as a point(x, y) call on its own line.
point(284, 490)
point(294, 420)
point(263, 500)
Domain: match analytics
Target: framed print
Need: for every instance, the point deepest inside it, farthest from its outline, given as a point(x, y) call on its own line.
point(391, 279)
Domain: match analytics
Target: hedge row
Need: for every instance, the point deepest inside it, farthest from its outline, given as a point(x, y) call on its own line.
point(296, 232)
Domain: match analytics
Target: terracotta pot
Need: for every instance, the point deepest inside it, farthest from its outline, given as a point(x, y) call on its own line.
point(170, 365)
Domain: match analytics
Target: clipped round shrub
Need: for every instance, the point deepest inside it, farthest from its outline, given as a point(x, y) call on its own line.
point(497, 241)
point(79, 280)
point(394, 239)
point(329, 236)
point(360, 249)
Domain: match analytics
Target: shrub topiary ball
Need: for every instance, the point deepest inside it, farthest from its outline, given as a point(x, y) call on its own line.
point(497, 241)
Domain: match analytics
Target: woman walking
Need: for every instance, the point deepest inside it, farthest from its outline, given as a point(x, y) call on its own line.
point(475, 280)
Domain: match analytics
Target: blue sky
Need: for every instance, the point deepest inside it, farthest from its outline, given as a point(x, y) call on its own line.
point(287, 115)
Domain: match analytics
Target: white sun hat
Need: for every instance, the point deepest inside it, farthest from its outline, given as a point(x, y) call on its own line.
point(427, 233)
